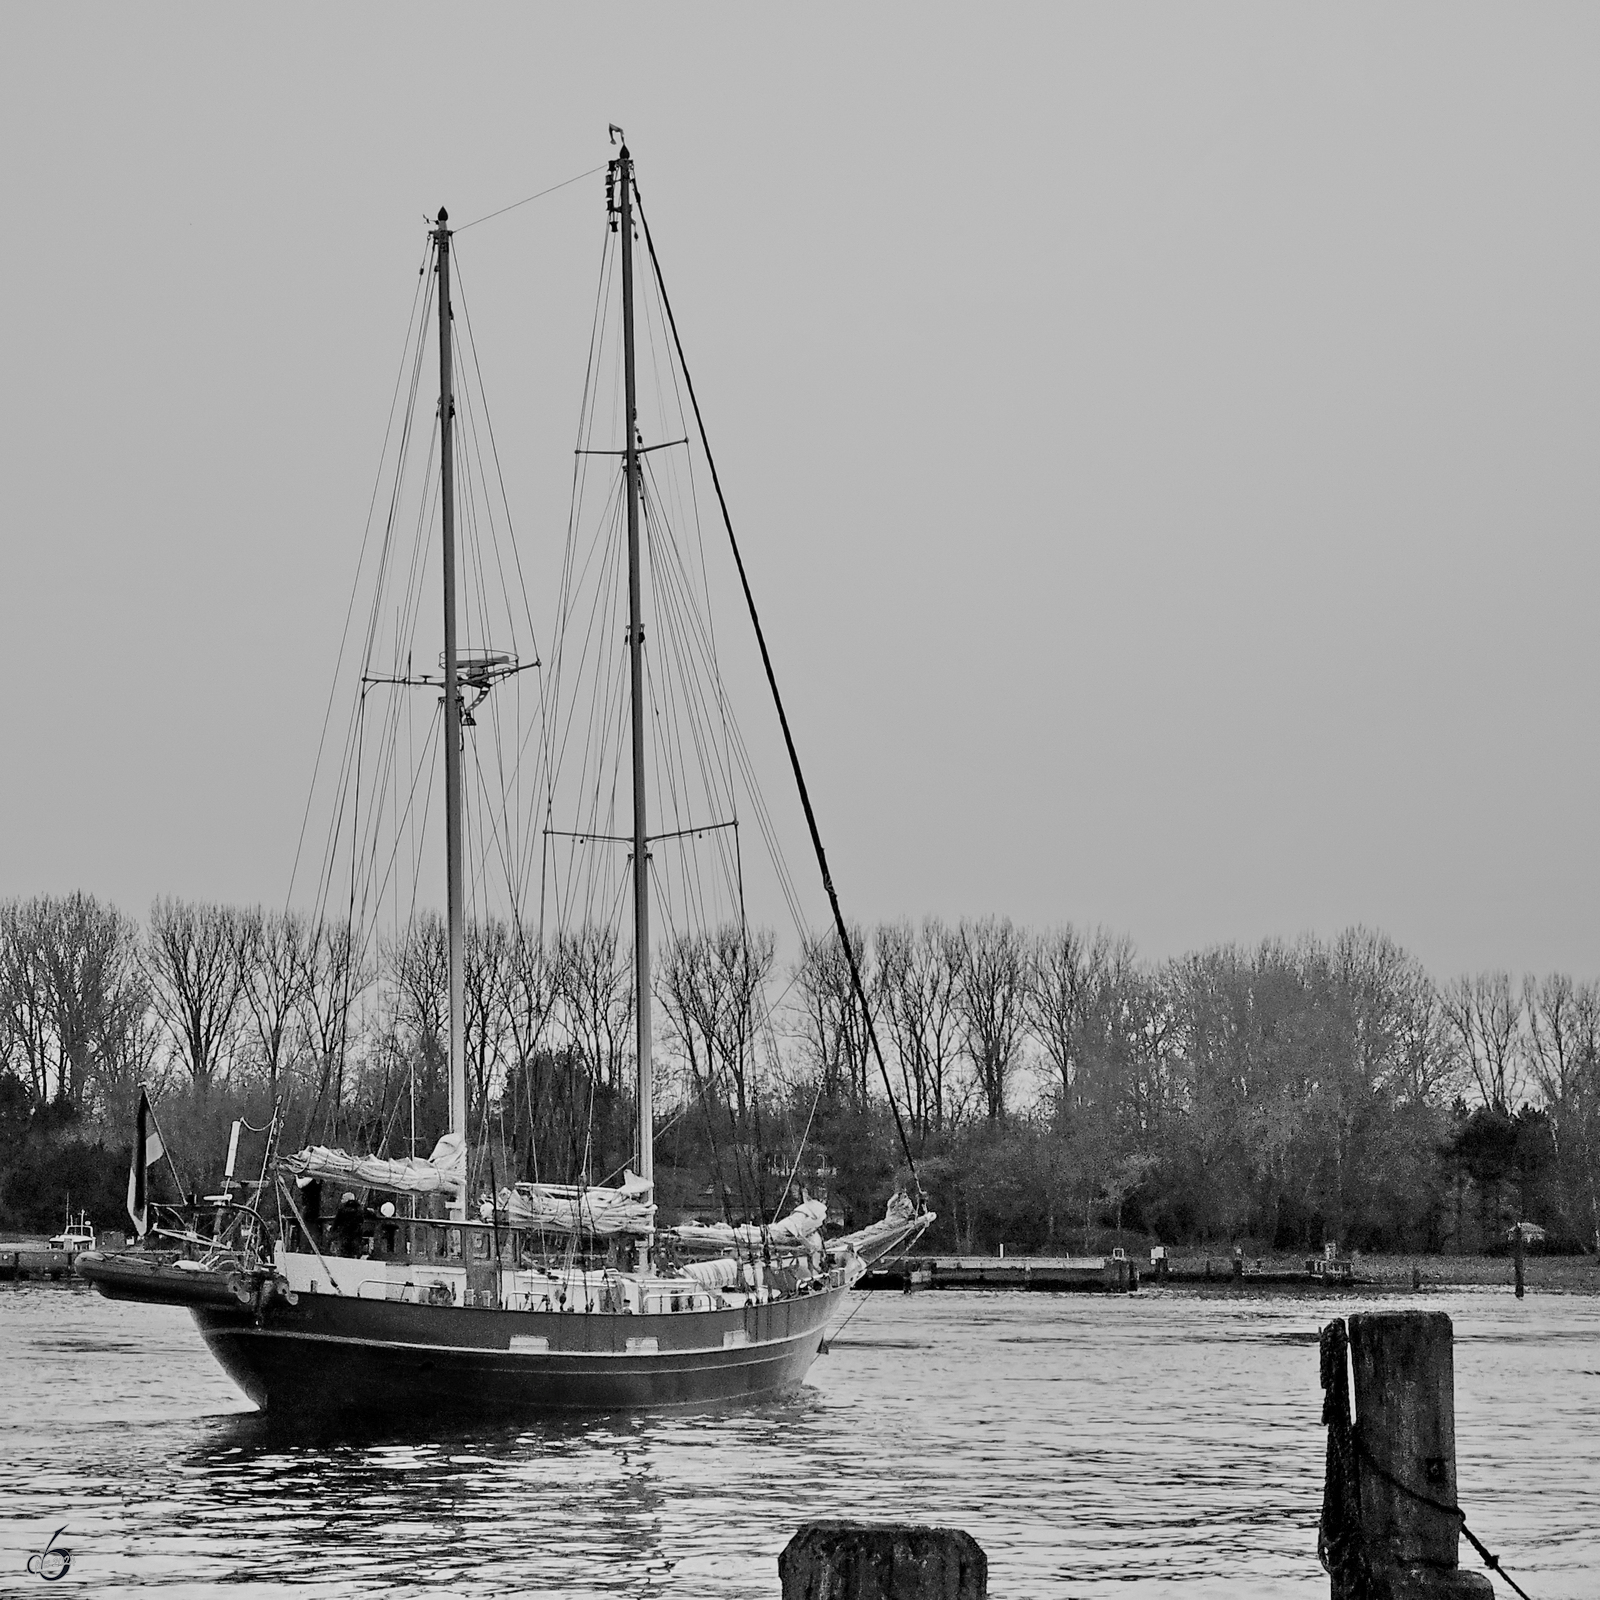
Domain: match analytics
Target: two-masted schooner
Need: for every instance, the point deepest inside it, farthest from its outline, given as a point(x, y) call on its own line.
point(471, 1307)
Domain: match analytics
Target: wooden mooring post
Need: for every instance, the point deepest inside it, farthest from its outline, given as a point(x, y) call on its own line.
point(882, 1561)
point(1390, 1530)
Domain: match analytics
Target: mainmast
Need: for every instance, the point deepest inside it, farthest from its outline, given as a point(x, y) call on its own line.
point(452, 714)
point(641, 843)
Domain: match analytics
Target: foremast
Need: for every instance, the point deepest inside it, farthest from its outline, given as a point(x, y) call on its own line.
point(641, 844)
point(454, 897)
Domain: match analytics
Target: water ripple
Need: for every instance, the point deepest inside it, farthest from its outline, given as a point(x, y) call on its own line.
point(1165, 1444)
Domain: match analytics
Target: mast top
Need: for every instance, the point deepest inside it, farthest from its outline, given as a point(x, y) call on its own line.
point(444, 217)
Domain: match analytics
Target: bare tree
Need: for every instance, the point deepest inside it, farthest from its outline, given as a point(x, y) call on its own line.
point(26, 1013)
point(1055, 1000)
point(1553, 1044)
point(990, 999)
point(193, 969)
point(91, 965)
point(72, 995)
point(710, 987)
point(1584, 1103)
point(528, 994)
point(918, 979)
point(832, 1029)
point(1425, 1060)
point(1152, 1027)
point(487, 1033)
point(129, 1059)
point(594, 979)
point(419, 969)
point(1485, 1017)
point(740, 964)
point(1084, 1004)
point(332, 980)
point(273, 977)
point(1106, 1040)
point(682, 985)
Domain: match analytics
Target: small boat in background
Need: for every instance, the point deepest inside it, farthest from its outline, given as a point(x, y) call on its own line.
point(49, 1259)
point(76, 1236)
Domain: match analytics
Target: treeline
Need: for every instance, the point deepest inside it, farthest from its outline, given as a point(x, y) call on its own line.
point(1287, 1094)
point(1051, 1086)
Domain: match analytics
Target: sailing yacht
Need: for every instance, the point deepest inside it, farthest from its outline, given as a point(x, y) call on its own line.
point(473, 1307)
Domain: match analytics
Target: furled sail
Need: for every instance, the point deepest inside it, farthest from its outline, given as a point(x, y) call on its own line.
point(566, 1208)
point(722, 1273)
point(902, 1224)
point(445, 1171)
point(795, 1232)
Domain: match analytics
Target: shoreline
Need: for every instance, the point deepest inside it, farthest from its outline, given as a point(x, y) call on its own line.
point(1541, 1273)
point(1279, 1271)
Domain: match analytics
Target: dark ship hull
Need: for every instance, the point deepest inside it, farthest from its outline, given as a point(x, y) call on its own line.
point(329, 1354)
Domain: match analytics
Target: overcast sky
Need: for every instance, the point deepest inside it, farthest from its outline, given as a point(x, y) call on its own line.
point(1164, 437)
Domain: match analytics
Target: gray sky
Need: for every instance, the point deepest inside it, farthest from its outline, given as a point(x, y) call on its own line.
point(1164, 438)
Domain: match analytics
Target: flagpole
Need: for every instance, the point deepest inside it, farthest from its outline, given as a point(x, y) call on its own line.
point(166, 1149)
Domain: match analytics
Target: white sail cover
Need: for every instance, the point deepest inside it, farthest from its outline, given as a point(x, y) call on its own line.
point(444, 1171)
point(566, 1208)
point(721, 1273)
point(901, 1225)
point(795, 1232)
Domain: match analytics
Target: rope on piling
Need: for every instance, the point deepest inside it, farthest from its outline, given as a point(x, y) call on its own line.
point(1340, 1547)
point(1490, 1560)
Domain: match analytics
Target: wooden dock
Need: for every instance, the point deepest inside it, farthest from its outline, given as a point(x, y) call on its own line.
point(1091, 1274)
point(1096, 1274)
point(1225, 1273)
point(21, 1261)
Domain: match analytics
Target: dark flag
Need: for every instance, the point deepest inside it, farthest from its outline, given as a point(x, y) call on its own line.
point(146, 1150)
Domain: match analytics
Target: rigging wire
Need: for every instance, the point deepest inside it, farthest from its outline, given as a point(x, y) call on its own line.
point(355, 586)
point(788, 738)
point(565, 183)
point(691, 721)
point(687, 716)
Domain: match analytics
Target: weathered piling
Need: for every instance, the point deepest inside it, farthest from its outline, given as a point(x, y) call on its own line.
point(882, 1561)
point(1390, 1527)
point(1519, 1248)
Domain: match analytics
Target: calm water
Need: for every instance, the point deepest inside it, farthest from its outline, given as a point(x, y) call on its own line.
point(1164, 1444)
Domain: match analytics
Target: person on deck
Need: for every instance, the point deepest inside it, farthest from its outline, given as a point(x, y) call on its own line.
point(347, 1226)
point(311, 1208)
